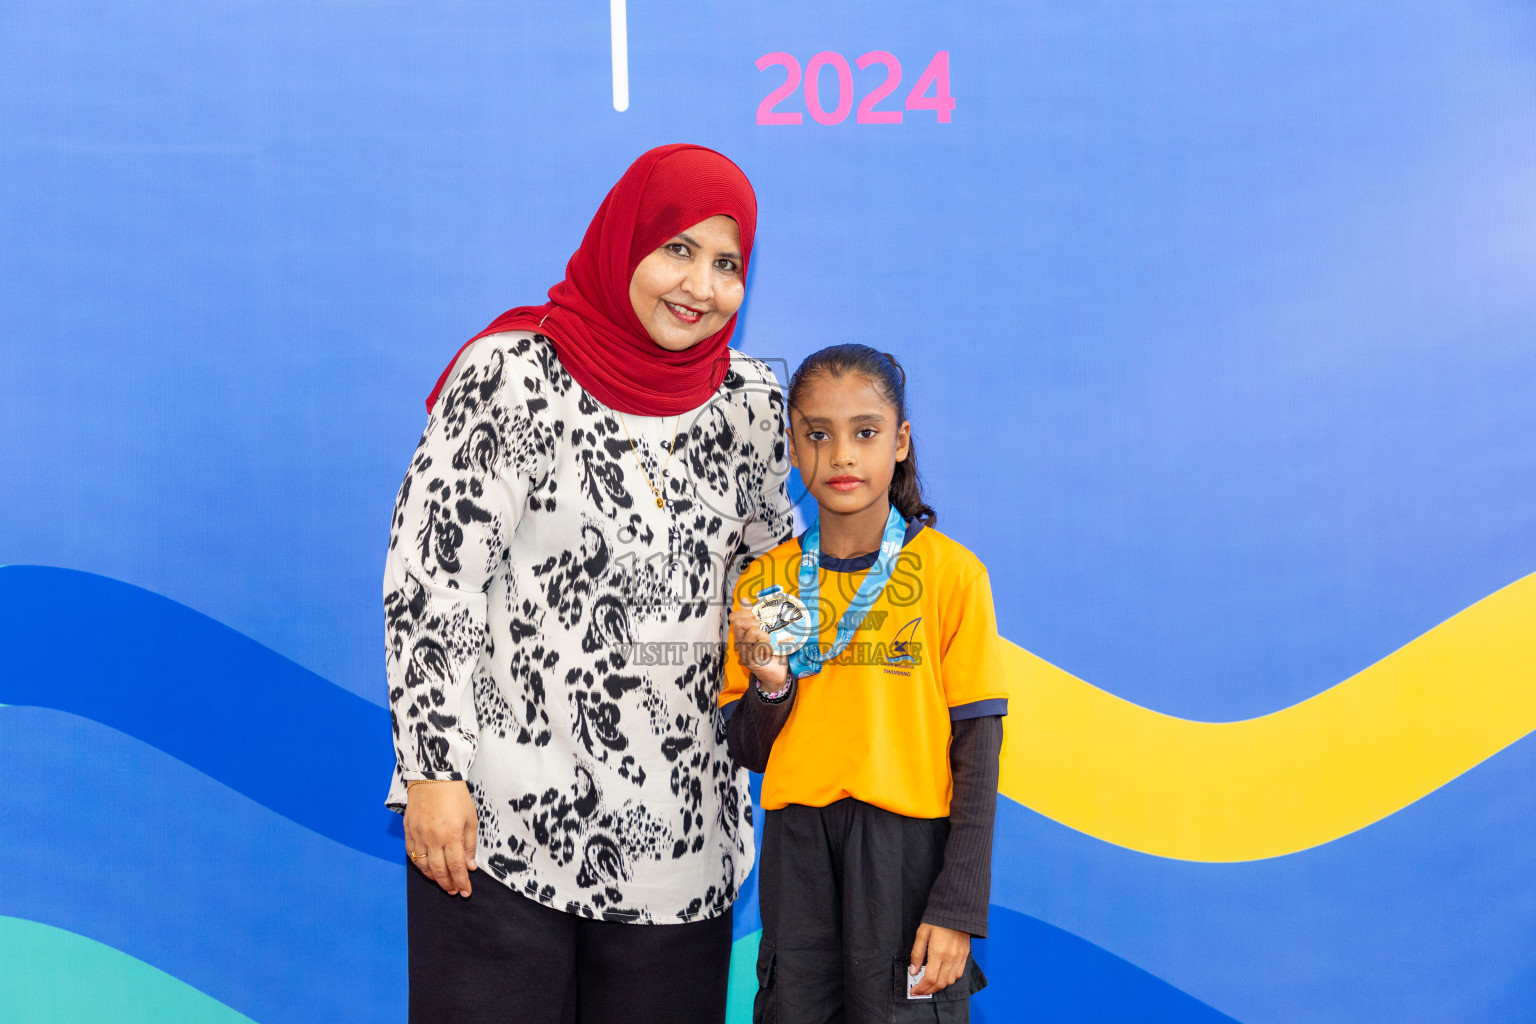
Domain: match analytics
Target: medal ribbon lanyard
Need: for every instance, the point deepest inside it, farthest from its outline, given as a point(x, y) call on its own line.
point(807, 660)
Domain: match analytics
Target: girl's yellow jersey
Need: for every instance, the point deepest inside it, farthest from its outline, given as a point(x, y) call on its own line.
point(874, 724)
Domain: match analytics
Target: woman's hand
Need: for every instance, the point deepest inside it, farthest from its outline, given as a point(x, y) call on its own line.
point(440, 828)
point(755, 649)
point(945, 951)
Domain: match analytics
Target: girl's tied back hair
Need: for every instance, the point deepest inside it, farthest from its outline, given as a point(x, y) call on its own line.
point(882, 370)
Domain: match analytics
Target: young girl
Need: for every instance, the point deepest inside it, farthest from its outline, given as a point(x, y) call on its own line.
point(878, 738)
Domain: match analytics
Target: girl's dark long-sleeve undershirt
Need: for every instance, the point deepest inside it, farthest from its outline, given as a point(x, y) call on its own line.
point(754, 725)
point(960, 895)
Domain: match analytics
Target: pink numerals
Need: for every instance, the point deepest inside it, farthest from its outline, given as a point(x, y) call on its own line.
point(765, 112)
point(813, 88)
point(931, 92)
point(936, 77)
point(867, 112)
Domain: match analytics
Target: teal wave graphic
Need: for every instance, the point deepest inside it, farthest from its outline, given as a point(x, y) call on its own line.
point(114, 840)
point(51, 976)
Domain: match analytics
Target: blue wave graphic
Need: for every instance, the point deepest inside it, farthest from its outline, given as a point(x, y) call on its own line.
point(287, 927)
point(111, 839)
point(216, 883)
point(205, 694)
point(214, 699)
point(746, 916)
point(1036, 971)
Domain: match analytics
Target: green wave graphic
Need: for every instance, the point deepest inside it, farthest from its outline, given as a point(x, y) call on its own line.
point(52, 976)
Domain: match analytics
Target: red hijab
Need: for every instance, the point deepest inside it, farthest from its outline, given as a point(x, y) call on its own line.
point(589, 317)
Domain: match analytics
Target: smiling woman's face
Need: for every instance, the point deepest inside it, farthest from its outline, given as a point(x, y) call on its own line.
point(691, 285)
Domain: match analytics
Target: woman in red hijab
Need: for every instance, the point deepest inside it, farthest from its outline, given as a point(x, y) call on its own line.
point(594, 473)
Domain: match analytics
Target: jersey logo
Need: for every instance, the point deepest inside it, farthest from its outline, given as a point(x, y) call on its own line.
point(899, 653)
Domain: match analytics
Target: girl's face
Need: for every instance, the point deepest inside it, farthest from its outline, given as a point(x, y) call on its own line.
point(691, 285)
point(845, 441)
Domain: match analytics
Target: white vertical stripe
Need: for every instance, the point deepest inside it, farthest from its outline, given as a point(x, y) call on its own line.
point(620, 34)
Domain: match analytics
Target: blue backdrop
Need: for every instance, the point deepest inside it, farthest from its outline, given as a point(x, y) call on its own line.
point(1222, 338)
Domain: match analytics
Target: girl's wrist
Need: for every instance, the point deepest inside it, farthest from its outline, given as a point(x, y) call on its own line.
point(777, 696)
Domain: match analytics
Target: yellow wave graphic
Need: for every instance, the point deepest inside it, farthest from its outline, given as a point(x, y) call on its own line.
point(1287, 781)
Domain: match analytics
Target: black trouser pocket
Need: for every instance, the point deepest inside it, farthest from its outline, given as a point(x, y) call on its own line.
point(950, 1005)
point(765, 1008)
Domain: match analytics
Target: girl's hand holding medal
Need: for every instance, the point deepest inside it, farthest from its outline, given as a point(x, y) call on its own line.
point(756, 651)
point(765, 635)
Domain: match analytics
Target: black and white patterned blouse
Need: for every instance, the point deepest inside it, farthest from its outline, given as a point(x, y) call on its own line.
point(554, 637)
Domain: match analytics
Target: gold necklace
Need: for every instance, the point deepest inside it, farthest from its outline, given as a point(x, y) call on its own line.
point(660, 501)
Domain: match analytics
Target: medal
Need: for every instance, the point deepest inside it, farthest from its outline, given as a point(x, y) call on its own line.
point(807, 660)
point(783, 618)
